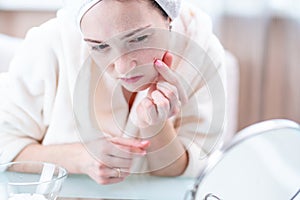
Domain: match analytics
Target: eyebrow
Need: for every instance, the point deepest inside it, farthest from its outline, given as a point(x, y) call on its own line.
point(133, 32)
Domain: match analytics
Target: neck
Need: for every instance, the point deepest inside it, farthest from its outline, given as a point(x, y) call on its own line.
point(129, 96)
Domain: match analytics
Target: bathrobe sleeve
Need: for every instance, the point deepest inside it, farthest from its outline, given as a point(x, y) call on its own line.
point(201, 125)
point(28, 97)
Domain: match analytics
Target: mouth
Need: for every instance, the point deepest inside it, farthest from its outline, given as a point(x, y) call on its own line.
point(131, 80)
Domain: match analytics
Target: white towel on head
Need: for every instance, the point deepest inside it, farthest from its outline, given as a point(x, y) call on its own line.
point(77, 8)
point(171, 7)
point(86, 5)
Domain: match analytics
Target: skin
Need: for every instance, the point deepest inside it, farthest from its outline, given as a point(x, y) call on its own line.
point(153, 70)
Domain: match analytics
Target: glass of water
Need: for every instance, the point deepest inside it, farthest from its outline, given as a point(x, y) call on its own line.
point(29, 180)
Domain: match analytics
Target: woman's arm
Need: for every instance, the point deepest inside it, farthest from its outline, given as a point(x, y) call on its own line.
point(166, 155)
point(32, 84)
point(71, 156)
point(113, 154)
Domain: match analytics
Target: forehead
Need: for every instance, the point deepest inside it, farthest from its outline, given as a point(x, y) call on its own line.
point(109, 18)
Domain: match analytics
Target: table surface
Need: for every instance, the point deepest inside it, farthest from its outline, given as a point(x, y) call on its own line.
point(134, 187)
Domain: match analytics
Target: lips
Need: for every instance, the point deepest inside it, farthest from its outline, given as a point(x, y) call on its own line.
point(131, 79)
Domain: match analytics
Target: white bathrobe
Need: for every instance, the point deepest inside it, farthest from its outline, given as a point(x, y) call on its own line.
point(38, 106)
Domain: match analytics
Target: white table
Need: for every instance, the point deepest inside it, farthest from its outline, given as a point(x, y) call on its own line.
point(134, 187)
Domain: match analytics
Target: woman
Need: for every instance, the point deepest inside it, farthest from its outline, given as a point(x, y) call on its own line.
point(151, 122)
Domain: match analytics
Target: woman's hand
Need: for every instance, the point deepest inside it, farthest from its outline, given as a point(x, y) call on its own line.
point(108, 160)
point(164, 98)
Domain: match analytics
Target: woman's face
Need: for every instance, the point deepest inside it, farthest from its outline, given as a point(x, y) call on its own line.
point(113, 27)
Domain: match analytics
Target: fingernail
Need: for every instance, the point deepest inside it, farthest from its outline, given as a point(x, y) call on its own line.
point(145, 142)
point(158, 63)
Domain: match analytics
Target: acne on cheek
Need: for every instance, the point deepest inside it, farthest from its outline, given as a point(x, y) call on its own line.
point(158, 56)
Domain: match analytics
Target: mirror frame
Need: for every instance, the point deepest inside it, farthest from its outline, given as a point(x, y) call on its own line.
point(246, 133)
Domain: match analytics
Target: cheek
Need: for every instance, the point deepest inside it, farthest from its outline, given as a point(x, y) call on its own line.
point(142, 57)
point(110, 69)
point(148, 56)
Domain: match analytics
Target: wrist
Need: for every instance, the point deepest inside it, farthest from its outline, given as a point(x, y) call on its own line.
point(75, 162)
point(159, 136)
point(152, 130)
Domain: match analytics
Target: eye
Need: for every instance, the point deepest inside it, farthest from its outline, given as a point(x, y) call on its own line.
point(100, 47)
point(139, 39)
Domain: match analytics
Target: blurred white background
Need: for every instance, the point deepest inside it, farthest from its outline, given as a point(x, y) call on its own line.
point(214, 7)
point(30, 4)
point(251, 7)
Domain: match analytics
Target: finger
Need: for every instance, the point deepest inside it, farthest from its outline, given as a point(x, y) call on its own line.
point(118, 172)
point(109, 176)
point(113, 160)
point(171, 77)
point(106, 175)
point(130, 142)
point(128, 152)
point(128, 147)
point(112, 172)
point(117, 155)
point(124, 152)
point(152, 113)
point(168, 59)
point(170, 92)
point(162, 105)
point(151, 89)
point(146, 110)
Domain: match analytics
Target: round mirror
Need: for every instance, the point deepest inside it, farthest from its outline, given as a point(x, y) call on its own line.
point(262, 162)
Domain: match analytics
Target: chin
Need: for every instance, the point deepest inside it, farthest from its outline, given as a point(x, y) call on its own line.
point(143, 84)
point(144, 87)
point(138, 88)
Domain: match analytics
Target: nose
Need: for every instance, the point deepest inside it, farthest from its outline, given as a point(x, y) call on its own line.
point(124, 64)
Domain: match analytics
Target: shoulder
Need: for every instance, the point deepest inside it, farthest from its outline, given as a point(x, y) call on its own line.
point(36, 51)
point(195, 24)
point(40, 39)
point(51, 31)
point(48, 29)
point(191, 19)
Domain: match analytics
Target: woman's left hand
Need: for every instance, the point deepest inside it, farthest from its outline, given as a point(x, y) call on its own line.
point(165, 97)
